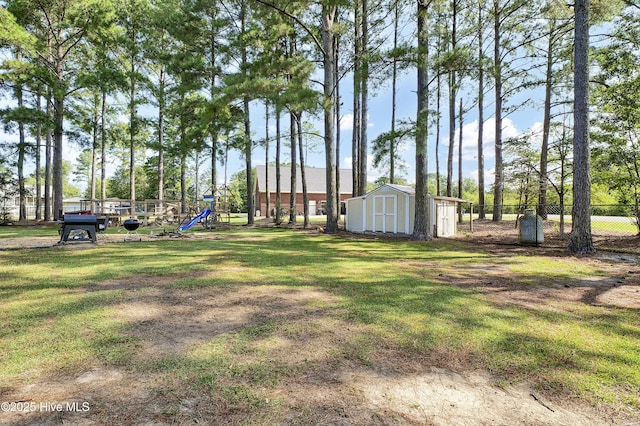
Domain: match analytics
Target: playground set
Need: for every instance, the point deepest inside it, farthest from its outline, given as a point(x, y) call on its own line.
point(83, 225)
point(214, 215)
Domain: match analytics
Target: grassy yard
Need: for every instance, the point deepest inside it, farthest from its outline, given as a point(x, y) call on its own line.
point(28, 231)
point(604, 225)
point(442, 304)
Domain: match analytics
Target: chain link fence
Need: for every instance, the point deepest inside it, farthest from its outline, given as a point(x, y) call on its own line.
point(606, 220)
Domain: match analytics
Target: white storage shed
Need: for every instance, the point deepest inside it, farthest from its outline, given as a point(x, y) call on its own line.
point(391, 209)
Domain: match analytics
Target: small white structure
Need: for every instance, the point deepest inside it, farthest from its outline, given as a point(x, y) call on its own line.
point(391, 209)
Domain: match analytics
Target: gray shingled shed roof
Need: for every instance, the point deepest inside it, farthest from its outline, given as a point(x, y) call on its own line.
point(403, 188)
point(316, 178)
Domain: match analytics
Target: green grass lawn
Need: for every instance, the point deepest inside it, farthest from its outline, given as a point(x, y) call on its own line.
point(14, 231)
point(397, 297)
point(599, 224)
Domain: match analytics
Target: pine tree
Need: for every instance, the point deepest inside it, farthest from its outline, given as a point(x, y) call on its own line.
point(421, 229)
point(581, 241)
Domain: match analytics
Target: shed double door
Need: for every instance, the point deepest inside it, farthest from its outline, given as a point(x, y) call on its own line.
point(445, 219)
point(385, 209)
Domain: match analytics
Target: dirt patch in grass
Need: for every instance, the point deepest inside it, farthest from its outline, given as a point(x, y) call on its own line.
point(298, 359)
point(85, 243)
point(321, 379)
point(617, 257)
point(619, 288)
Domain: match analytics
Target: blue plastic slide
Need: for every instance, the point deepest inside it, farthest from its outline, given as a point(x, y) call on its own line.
point(202, 215)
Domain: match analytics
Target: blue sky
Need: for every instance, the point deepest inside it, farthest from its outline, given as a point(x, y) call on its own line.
point(379, 122)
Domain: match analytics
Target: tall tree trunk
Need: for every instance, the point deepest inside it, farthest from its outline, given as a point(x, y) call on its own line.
point(421, 226)
point(226, 161)
point(57, 157)
point(563, 175)
point(247, 124)
point(214, 132)
point(336, 82)
point(196, 184)
point(498, 185)
point(303, 177)
point(248, 163)
point(394, 94)
point(214, 161)
point(94, 150)
point(355, 143)
point(481, 199)
point(328, 38)
point(183, 159)
point(59, 93)
point(133, 124)
point(267, 201)
point(161, 110)
point(452, 133)
point(38, 160)
point(546, 128)
point(453, 91)
point(364, 104)
point(183, 182)
point(48, 164)
point(357, 98)
point(278, 207)
point(580, 241)
point(22, 147)
point(103, 148)
point(461, 121)
point(22, 191)
point(293, 183)
point(438, 111)
point(293, 199)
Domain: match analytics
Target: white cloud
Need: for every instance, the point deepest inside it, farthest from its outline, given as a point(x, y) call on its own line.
point(536, 128)
point(346, 122)
point(470, 139)
point(489, 177)
point(372, 172)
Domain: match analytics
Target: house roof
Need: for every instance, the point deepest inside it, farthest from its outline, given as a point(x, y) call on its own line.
point(411, 192)
point(315, 176)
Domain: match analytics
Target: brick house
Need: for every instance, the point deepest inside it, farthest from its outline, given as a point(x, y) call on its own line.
point(316, 188)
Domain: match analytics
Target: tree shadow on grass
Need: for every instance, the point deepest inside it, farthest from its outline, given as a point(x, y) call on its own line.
point(262, 330)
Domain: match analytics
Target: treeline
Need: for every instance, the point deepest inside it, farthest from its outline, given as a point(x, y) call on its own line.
point(159, 87)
